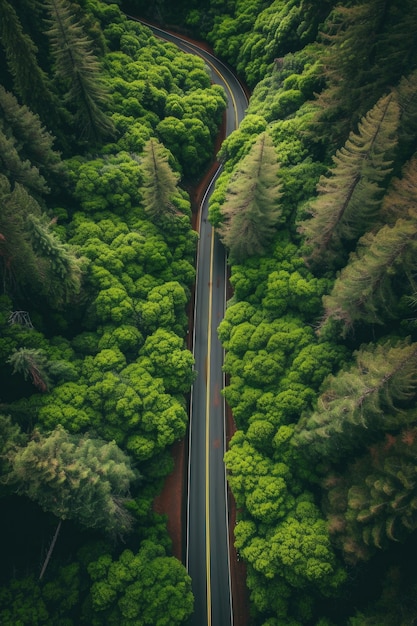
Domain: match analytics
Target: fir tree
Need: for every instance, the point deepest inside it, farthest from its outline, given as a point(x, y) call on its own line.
point(75, 477)
point(349, 197)
point(29, 80)
point(364, 290)
point(364, 46)
point(31, 139)
point(373, 395)
point(79, 70)
point(160, 182)
point(375, 501)
point(250, 211)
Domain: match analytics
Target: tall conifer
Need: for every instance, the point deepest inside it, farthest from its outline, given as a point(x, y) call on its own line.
point(29, 81)
point(251, 209)
point(79, 69)
point(159, 182)
point(349, 197)
point(369, 397)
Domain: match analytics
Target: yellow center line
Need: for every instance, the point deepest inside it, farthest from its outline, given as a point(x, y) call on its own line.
point(208, 556)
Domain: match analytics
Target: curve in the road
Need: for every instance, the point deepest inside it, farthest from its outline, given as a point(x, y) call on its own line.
point(207, 551)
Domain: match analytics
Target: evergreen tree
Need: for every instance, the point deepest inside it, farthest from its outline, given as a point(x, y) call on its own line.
point(159, 182)
point(75, 477)
point(31, 363)
point(407, 99)
point(18, 170)
point(364, 290)
point(251, 210)
point(62, 266)
point(373, 395)
point(364, 46)
point(32, 141)
point(32, 258)
point(18, 262)
point(79, 70)
point(400, 201)
point(375, 500)
point(350, 196)
point(29, 80)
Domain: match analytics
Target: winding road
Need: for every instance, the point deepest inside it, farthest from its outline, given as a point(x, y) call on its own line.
point(207, 543)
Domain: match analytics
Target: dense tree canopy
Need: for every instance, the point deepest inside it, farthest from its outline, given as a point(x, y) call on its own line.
point(103, 131)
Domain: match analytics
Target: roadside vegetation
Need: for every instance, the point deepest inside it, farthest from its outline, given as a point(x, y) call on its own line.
point(317, 206)
point(320, 334)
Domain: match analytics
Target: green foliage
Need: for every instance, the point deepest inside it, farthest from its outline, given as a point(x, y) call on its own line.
point(350, 197)
point(371, 395)
point(78, 70)
point(26, 601)
point(111, 182)
point(143, 588)
point(298, 549)
point(169, 360)
point(373, 502)
point(250, 210)
point(75, 478)
point(257, 483)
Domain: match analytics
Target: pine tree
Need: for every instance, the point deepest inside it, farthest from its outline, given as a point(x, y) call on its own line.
point(61, 265)
point(31, 139)
point(400, 201)
point(407, 99)
point(251, 210)
point(30, 81)
point(364, 290)
point(79, 70)
point(18, 262)
point(350, 196)
point(75, 477)
point(31, 363)
point(159, 182)
point(18, 170)
point(373, 395)
point(374, 502)
point(364, 45)
point(32, 258)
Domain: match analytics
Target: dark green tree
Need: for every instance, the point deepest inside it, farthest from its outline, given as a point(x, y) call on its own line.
point(372, 395)
point(349, 197)
point(364, 45)
point(375, 501)
point(75, 477)
point(159, 183)
point(18, 170)
point(62, 266)
point(29, 81)
point(364, 290)
point(250, 211)
point(31, 139)
point(79, 70)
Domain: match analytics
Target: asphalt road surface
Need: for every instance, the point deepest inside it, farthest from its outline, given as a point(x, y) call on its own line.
point(207, 546)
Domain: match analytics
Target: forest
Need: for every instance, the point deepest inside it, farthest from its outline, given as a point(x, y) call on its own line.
point(103, 132)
